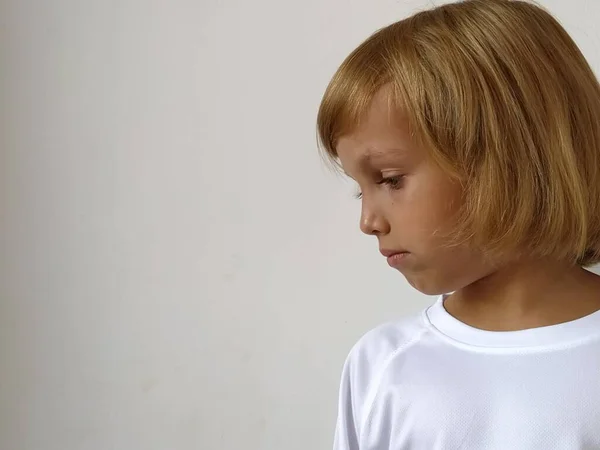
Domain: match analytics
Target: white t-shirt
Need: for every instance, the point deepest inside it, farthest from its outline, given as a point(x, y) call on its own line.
point(434, 382)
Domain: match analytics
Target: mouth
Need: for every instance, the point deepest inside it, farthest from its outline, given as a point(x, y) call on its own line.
point(395, 258)
point(387, 253)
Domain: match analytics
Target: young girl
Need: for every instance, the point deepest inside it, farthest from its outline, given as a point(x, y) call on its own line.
point(473, 133)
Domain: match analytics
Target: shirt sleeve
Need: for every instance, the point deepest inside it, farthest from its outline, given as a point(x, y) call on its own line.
point(346, 430)
point(361, 376)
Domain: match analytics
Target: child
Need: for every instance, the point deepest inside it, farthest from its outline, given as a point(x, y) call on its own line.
point(473, 131)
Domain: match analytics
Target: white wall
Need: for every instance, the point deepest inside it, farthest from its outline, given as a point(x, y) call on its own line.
point(178, 270)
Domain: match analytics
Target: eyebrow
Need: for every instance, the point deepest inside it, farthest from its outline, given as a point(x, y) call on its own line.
point(373, 153)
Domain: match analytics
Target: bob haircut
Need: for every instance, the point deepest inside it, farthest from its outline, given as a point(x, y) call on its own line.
point(506, 104)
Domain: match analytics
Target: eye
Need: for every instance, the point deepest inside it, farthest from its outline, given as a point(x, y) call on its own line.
point(393, 183)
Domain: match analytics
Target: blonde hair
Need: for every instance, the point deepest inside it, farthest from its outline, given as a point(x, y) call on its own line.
point(506, 104)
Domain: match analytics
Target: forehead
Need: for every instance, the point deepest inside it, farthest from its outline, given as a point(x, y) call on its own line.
point(383, 130)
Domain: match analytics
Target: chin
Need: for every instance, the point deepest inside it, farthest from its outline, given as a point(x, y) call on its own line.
point(428, 287)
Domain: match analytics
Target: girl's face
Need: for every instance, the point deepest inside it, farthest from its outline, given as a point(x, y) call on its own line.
point(407, 202)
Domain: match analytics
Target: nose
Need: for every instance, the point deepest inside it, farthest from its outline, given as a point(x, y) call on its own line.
point(372, 223)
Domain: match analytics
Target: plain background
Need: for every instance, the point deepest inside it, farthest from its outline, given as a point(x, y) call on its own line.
point(178, 268)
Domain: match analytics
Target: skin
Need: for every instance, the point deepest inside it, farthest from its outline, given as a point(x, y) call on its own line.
point(408, 203)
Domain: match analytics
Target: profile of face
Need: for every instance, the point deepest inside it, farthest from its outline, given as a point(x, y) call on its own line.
point(407, 202)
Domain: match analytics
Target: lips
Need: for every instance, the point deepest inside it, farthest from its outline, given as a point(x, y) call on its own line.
point(387, 252)
point(395, 258)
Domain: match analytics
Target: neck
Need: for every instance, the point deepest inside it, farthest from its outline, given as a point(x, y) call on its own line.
point(527, 294)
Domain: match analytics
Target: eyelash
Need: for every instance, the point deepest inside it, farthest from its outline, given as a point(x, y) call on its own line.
point(393, 184)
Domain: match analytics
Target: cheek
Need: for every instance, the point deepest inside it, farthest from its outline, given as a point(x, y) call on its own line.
point(424, 218)
point(431, 201)
point(440, 212)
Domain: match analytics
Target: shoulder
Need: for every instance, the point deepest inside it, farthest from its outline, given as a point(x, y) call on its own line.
point(385, 340)
point(374, 350)
point(368, 360)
